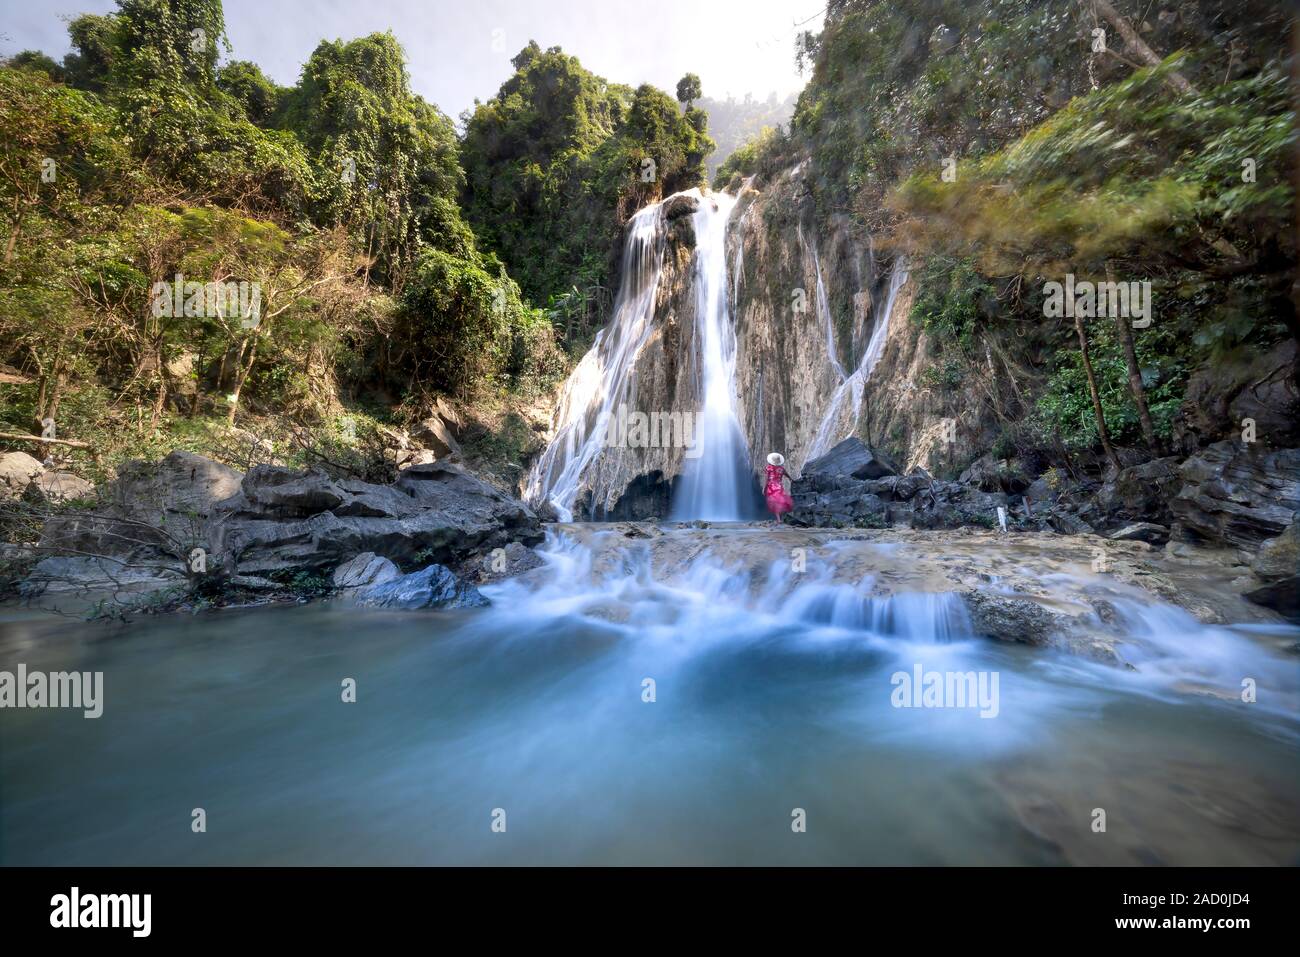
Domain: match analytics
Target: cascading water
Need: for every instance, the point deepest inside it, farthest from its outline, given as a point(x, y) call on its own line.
point(603, 379)
point(824, 308)
point(716, 483)
point(845, 406)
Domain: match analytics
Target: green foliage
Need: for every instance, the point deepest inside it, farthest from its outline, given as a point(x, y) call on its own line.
point(752, 158)
point(259, 96)
point(385, 162)
point(93, 45)
point(688, 89)
point(558, 160)
point(36, 61)
point(949, 299)
point(1066, 405)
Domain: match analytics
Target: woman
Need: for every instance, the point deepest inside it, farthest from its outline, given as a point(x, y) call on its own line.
point(778, 499)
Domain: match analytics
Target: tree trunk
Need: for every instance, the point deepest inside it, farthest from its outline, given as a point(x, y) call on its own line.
point(241, 376)
point(1096, 396)
point(1135, 43)
point(1135, 375)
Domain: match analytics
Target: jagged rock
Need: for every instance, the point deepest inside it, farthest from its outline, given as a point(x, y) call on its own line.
point(17, 469)
point(364, 570)
point(498, 564)
point(435, 511)
point(57, 488)
point(150, 509)
point(1147, 532)
point(852, 459)
point(1278, 565)
point(432, 587)
point(1236, 494)
point(1140, 493)
point(1256, 384)
point(680, 205)
point(450, 417)
point(279, 492)
point(434, 435)
point(991, 474)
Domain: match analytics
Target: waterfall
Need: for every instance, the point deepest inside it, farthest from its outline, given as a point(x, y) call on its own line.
point(717, 483)
point(823, 307)
point(603, 379)
point(836, 424)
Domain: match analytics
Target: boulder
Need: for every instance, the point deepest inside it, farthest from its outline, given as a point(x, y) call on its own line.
point(1238, 494)
point(17, 469)
point(1140, 493)
point(1013, 619)
point(364, 570)
point(1279, 558)
point(432, 587)
point(1147, 532)
point(450, 417)
point(80, 585)
point(990, 474)
point(433, 435)
point(1277, 565)
point(515, 559)
point(150, 509)
point(56, 488)
point(275, 491)
point(851, 459)
point(680, 205)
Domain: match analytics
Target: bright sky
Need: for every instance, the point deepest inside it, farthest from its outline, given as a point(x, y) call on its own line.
point(458, 50)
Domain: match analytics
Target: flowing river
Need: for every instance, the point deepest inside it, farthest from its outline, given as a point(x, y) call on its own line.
point(609, 708)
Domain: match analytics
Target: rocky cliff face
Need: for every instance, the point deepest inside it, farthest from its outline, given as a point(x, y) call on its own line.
point(810, 294)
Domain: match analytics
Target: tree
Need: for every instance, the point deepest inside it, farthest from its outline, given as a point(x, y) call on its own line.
point(38, 62)
point(93, 42)
point(688, 89)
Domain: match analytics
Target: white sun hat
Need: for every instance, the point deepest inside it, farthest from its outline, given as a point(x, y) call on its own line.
point(776, 458)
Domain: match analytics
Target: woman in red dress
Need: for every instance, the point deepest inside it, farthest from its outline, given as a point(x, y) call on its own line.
point(778, 499)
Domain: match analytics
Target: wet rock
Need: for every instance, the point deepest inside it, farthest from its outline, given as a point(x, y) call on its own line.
point(432, 587)
point(680, 205)
point(17, 469)
point(1013, 619)
point(1147, 532)
point(502, 563)
point(852, 459)
point(364, 570)
point(1237, 494)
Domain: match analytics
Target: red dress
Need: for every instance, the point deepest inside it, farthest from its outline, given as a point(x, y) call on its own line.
point(778, 499)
